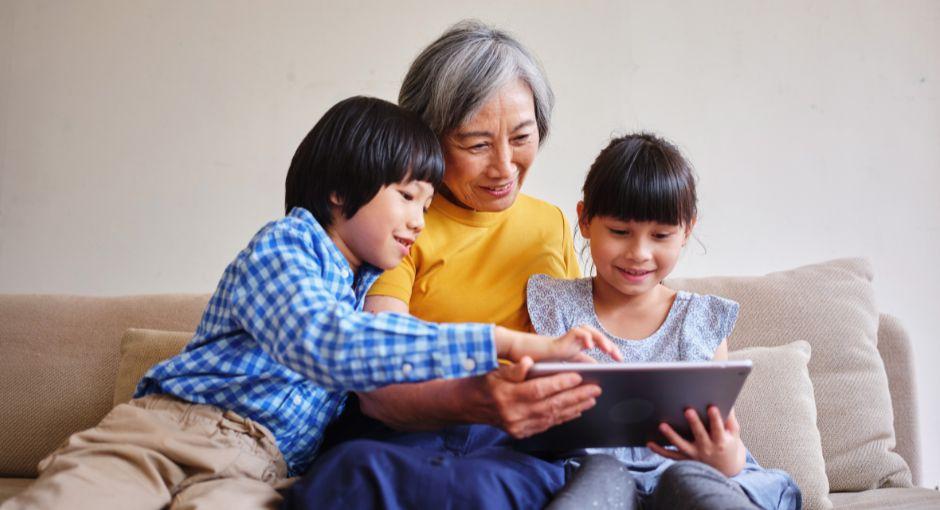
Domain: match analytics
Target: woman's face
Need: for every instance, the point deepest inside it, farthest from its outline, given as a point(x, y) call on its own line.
point(487, 157)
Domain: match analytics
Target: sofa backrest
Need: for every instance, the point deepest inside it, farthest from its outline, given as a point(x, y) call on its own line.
point(58, 359)
point(894, 345)
point(59, 356)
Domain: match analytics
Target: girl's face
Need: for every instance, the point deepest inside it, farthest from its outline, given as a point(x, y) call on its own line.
point(632, 257)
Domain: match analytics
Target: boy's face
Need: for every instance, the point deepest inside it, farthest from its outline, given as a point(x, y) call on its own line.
point(382, 231)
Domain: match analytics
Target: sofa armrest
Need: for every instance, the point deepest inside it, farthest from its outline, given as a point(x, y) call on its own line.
point(894, 345)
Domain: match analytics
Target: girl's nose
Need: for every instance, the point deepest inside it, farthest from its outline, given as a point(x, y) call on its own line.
point(638, 251)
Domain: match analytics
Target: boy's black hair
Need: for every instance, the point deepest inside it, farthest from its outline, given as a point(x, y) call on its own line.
point(360, 145)
point(640, 177)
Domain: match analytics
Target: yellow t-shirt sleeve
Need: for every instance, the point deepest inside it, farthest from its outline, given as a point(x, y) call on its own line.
point(397, 282)
point(572, 265)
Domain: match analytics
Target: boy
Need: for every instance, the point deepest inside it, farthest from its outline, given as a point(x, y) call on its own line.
point(244, 406)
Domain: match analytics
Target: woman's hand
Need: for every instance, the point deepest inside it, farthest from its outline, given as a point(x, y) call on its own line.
point(515, 345)
point(720, 447)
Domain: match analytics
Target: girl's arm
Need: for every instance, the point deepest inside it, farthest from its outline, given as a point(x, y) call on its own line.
point(719, 445)
point(721, 352)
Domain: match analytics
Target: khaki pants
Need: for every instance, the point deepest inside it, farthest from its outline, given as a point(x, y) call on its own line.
point(160, 452)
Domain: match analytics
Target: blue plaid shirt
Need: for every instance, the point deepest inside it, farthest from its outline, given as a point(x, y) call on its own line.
point(284, 338)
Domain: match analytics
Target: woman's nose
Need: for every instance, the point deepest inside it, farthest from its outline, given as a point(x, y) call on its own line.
point(501, 166)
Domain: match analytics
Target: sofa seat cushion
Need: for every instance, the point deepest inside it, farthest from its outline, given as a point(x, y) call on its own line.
point(59, 360)
point(10, 487)
point(140, 350)
point(916, 498)
point(777, 413)
point(831, 306)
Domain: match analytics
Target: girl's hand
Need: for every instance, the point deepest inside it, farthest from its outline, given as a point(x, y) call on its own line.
point(514, 345)
point(720, 447)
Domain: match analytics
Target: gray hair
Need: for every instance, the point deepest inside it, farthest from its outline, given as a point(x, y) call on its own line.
point(454, 76)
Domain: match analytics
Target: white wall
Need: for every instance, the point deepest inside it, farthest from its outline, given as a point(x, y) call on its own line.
point(142, 143)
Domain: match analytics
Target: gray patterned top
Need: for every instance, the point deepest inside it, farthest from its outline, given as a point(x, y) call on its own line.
point(693, 329)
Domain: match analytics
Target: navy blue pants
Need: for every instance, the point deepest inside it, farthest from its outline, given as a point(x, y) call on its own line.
point(472, 466)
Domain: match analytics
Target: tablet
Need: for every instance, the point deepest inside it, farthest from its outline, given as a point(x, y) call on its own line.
point(636, 398)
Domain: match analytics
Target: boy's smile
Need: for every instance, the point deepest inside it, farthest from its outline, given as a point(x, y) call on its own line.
point(382, 232)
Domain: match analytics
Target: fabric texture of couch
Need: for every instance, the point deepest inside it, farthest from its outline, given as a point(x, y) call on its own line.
point(831, 398)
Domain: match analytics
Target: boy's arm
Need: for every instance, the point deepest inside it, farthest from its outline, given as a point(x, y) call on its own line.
point(501, 398)
point(282, 300)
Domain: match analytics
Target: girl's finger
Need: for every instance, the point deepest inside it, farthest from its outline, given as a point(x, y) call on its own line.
point(732, 423)
point(676, 440)
point(716, 423)
point(663, 452)
point(698, 428)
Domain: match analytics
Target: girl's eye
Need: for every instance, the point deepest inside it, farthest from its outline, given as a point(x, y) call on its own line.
point(663, 235)
point(408, 196)
point(617, 232)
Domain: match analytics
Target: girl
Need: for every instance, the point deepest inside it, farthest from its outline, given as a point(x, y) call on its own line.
point(638, 211)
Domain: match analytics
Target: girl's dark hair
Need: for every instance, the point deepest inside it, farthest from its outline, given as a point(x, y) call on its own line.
point(360, 145)
point(640, 177)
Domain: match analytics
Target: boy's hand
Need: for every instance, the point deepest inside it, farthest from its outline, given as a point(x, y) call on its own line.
point(720, 447)
point(514, 345)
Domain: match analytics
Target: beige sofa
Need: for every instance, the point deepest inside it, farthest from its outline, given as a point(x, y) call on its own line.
point(818, 343)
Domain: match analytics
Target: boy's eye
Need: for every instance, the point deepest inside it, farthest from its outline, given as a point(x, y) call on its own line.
point(663, 235)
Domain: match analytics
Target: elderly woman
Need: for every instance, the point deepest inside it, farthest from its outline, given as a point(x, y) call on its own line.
point(488, 100)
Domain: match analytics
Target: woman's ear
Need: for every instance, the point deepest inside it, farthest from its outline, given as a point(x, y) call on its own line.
point(582, 222)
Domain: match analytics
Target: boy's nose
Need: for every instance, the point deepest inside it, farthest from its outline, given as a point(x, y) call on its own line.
point(416, 222)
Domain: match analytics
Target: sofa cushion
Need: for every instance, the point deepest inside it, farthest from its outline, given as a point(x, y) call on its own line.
point(140, 350)
point(59, 359)
point(830, 305)
point(777, 413)
point(896, 499)
point(10, 487)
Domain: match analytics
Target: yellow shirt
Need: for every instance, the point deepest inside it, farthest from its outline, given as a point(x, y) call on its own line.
point(470, 266)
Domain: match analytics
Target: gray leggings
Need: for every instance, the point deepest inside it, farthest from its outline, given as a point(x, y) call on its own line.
point(603, 482)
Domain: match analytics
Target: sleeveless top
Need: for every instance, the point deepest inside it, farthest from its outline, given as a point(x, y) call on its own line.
point(694, 327)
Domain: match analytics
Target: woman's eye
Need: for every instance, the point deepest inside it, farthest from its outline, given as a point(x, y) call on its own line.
point(478, 147)
point(522, 138)
point(408, 196)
